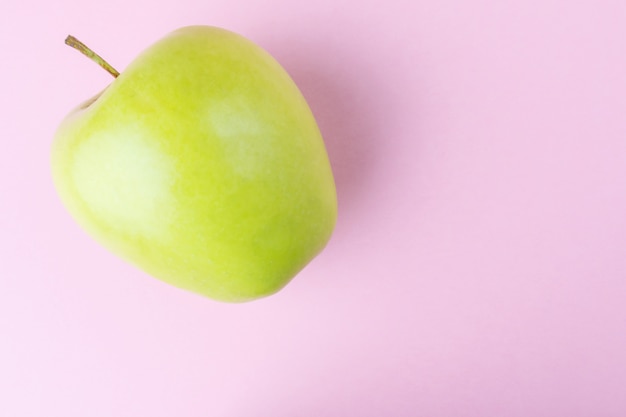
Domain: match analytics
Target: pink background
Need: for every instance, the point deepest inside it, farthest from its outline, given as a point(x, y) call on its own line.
point(478, 266)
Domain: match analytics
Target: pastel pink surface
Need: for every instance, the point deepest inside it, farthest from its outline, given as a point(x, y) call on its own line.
point(478, 267)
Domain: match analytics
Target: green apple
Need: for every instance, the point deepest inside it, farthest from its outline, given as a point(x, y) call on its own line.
point(202, 164)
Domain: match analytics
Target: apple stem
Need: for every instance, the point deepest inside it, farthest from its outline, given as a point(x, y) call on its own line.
point(84, 49)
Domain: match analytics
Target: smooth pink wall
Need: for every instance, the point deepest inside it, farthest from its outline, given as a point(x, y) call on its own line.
point(478, 267)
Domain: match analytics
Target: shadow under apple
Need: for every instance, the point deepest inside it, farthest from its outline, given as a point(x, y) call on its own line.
point(344, 98)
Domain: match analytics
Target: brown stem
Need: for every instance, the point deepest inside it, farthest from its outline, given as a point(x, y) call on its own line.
point(84, 49)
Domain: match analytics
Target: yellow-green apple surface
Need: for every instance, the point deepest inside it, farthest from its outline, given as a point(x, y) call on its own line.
point(202, 164)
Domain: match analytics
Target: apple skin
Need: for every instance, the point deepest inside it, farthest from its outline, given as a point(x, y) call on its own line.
point(201, 164)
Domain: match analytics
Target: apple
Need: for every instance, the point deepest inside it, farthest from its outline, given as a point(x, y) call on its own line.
point(201, 164)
